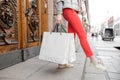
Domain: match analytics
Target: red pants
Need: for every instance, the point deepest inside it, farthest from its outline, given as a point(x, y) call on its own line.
point(75, 26)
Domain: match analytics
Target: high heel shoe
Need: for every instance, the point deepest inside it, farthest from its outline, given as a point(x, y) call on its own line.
point(99, 66)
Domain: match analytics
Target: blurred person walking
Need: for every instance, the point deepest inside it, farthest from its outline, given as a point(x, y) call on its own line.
point(69, 9)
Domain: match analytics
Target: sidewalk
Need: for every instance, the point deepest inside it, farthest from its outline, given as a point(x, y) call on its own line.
point(35, 69)
point(91, 73)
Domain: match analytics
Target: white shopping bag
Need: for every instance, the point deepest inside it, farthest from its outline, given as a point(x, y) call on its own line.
point(71, 54)
point(56, 48)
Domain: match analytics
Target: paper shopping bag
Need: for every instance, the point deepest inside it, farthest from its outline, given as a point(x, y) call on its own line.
point(55, 48)
point(71, 54)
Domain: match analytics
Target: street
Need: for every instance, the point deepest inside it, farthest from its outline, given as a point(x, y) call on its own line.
point(109, 55)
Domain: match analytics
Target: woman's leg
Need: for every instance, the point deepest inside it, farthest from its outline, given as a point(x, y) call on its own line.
point(74, 20)
point(75, 23)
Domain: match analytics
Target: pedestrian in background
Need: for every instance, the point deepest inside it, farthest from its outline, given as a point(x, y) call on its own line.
point(69, 9)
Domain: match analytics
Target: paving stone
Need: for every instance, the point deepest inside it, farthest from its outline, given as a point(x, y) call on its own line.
point(108, 53)
point(91, 69)
point(95, 77)
point(50, 72)
point(23, 69)
point(110, 57)
point(35, 69)
point(109, 66)
point(114, 76)
point(116, 65)
point(105, 48)
point(9, 79)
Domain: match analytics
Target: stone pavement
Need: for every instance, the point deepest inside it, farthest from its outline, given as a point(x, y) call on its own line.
point(35, 69)
point(110, 57)
point(91, 73)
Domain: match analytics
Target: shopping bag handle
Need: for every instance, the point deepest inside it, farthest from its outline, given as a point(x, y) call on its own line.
point(56, 28)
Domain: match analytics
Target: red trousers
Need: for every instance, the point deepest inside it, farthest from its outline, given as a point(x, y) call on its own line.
point(75, 26)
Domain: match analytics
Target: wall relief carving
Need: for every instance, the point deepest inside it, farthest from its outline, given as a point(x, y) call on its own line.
point(33, 21)
point(8, 22)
